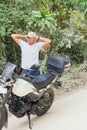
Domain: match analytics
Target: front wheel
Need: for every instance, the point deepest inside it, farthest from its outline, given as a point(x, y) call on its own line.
point(45, 102)
point(3, 114)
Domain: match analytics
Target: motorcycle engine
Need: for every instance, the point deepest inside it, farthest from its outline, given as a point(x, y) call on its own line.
point(20, 105)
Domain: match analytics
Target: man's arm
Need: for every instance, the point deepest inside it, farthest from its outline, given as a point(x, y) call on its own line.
point(16, 37)
point(45, 41)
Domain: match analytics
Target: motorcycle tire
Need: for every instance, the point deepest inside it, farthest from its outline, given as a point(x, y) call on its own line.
point(45, 102)
point(3, 114)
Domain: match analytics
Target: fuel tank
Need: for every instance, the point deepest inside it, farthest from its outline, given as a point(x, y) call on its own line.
point(22, 88)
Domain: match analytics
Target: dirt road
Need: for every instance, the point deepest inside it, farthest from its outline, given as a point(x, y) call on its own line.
point(68, 113)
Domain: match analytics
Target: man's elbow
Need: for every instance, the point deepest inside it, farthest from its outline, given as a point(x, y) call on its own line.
point(49, 41)
point(12, 35)
point(15, 39)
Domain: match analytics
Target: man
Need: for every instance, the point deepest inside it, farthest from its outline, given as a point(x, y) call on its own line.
point(30, 45)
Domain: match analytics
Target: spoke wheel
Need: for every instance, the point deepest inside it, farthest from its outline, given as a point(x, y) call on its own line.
point(45, 102)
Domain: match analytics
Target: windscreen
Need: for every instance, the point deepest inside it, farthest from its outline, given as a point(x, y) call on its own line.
point(9, 68)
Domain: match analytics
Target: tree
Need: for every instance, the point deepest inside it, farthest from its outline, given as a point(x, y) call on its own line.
point(51, 18)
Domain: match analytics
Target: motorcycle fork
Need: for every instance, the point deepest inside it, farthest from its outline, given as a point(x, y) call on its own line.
point(5, 98)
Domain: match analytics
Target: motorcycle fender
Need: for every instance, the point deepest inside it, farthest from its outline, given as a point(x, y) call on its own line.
point(22, 88)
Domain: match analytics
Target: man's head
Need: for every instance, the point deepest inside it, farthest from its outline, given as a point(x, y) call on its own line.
point(31, 34)
point(31, 37)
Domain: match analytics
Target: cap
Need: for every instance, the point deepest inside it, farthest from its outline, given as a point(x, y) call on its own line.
point(31, 34)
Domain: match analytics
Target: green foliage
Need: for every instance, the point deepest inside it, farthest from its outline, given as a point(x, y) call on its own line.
point(62, 21)
point(78, 4)
point(70, 37)
point(13, 19)
point(72, 40)
point(42, 21)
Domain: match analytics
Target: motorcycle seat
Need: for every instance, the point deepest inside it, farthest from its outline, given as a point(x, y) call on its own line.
point(43, 80)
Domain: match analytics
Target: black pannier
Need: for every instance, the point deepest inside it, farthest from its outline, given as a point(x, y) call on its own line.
point(56, 64)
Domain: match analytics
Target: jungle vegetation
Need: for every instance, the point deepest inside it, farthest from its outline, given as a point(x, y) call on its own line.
point(63, 21)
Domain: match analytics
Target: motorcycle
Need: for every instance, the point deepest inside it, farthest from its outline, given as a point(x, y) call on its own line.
point(25, 95)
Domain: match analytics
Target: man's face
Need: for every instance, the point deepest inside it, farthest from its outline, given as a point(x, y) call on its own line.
point(31, 40)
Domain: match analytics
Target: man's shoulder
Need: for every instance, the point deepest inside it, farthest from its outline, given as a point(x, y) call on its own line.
point(22, 42)
point(38, 43)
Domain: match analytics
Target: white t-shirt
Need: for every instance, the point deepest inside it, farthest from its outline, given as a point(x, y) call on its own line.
point(30, 54)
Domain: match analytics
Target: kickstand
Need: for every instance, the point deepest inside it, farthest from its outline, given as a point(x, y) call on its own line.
point(29, 119)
